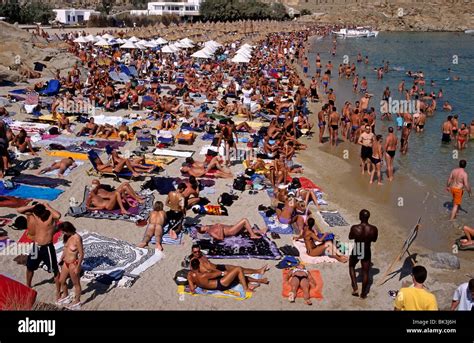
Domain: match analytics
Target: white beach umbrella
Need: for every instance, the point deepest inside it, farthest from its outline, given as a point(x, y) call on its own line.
point(186, 41)
point(90, 38)
point(150, 44)
point(201, 54)
point(142, 42)
point(128, 45)
point(174, 47)
point(102, 42)
point(80, 39)
point(120, 40)
point(168, 50)
point(213, 43)
point(133, 39)
point(240, 59)
point(161, 41)
point(108, 36)
point(244, 53)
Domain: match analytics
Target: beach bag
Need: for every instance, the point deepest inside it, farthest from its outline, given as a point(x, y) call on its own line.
point(55, 146)
point(181, 277)
point(212, 153)
point(9, 184)
point(226, 199)
point(239, 183)
point(289, 250)
point(54, 131)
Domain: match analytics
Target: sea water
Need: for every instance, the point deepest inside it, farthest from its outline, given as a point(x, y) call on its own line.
point(428, 162)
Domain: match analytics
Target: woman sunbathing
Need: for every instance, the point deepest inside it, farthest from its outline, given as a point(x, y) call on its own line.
point(95, 202)
point(61, 165)
point(118, 168)
point(300, 277)
point(325, 247)
point(220, 231)
point(137, 163)
point(200, 169)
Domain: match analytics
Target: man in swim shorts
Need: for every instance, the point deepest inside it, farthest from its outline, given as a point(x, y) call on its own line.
point(456, 184)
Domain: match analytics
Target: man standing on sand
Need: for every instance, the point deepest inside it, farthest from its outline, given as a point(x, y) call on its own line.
point(457, 183)
point(41, 224)
point(363, 235)
point(177, 210)
point(156, 223)
point(334, 118)
point(366, 139)
point(416, 298)
point(390, 148)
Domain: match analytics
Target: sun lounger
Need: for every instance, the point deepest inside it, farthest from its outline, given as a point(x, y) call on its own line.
point(92, 155)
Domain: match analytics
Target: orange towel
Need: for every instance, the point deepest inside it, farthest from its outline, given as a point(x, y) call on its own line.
point(314, 292)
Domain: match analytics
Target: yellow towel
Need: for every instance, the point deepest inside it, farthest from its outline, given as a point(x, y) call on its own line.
point(65, 153)
point(252, 124)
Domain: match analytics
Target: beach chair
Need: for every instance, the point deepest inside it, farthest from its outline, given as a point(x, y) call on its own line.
point(92, 155)
point(52, 88)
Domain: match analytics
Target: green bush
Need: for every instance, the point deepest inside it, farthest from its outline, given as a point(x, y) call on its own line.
point(232, 10)
point(27, 13)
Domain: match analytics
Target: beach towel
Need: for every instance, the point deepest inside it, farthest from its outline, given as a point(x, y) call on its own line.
point(29, 127)
point(333, 218)
point(29, 192)
point(314, 292)
point(274, 225)
point(163, 185)
point(166, 239)
point(67, 171)
point(306, 183)
point(101, 144)
point(159, 160)
point(112, 120)
point(13, 202)
point(14, 295)
point(65, 153)
point(241, 247)
point(106, 256)
point(464, 247)
point(140, 212)
point(52, 88)
point(34, 180)
point(173, 153)
point(311, 259)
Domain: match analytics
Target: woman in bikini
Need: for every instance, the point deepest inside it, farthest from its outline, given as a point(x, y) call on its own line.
point(324, 247)
point(300, 277)
point(220, 231)
point(71, 260)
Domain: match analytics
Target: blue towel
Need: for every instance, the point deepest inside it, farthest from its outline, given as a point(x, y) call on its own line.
point(207, 137)
point(274, 225)
point(29, 192)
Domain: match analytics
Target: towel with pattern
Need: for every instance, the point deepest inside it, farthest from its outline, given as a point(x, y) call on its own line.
point(333, 218)
point(274, 225)
point(241, 247)
point(106, 256)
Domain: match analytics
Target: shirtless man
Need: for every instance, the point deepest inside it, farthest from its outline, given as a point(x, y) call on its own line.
point(191, 193)
point(366, 140)
point(355, 124)
point(390, 148)
point(463, 136)
point(42, 219)
point(322, 122)
point(62, 165)
point(220, 231)
point(364, 102)
point(216, 280)
point(456, 184)
point(363, 85)
point(90, 129)
point(208, 266)
point(447, 129)
point(376, 159)
point(334, 118)
point(119, 167)
point(420, 124)
point(363, 235)
point(324, 248)
point(406, 130)
point(177, 210)
point(96, 202)
point(124, 189)
point(156, 222)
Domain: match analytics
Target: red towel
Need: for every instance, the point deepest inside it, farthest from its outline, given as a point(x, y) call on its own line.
point(13, 202)
point(306, 183)
point(15, 295)
point(314, 292)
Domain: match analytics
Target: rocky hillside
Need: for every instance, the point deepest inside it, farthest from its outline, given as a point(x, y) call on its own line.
point(390, 18)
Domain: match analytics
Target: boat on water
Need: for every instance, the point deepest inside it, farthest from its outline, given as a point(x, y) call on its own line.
point(364, 32)
point(469, 32)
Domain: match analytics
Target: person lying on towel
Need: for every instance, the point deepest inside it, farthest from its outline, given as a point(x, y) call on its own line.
point(209, 267)
point(100, 198)
point(212, 210)
point(217, 280)
point(138, 163)
point(200, 169)
point(62, 165)
point(221, 231)
point(117, 168)
point(90, 129)
point(156, 223)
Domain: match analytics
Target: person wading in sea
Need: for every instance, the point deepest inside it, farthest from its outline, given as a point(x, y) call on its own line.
point(457, 183)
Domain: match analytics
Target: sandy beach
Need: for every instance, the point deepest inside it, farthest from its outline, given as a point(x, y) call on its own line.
point(345, 191)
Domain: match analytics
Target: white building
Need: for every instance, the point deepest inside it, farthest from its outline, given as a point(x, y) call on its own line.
point(182, 9)
point(73, 16)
